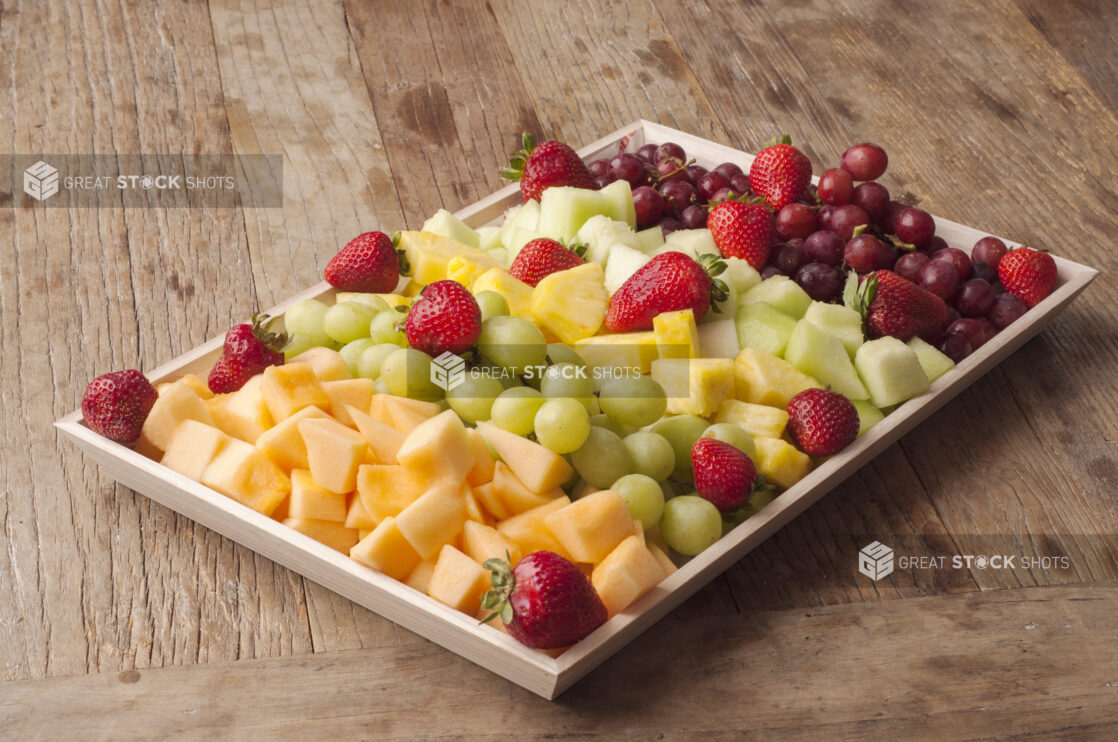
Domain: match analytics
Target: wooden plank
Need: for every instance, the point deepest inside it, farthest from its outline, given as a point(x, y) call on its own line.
point(974, 666)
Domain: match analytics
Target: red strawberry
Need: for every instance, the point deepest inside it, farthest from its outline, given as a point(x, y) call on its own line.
point(1027, 273)
point(780, 173)
point(228, 375)
point(247, 351)
point(545, 602)
point(548, 164)
point(116, 404)
point(369, 263)
point(540, 258)
point(723, 474)
point(668, 282)
point(822, 422)
point(895, 306)
point(743, 230)
point(445, 318)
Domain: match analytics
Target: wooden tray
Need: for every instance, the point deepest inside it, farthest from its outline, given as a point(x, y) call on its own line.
point(460, 633)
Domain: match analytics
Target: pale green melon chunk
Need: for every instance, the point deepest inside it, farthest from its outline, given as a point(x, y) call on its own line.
point(564, 209)
point(782, 293)
point(842, 322)
point(740, 275)
point(890, 370)
point(719, 339)
point(488, 237)
point(764, 328)
point(600, 234)
point(448, 225)
point(694, 242)
point(868, 415)
point(822, 356)
point(650, 239)
point(623, 262)
point(524, 217)
point(934, 363)
point(617, 202)
point(518, 238)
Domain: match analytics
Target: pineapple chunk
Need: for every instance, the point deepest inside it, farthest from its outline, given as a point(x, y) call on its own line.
point(780, 462)
point(517, 293)
point(695, 386)
point(762, 378)
point(760, 421)
point(572, 303)
point(467, 267)
point(677, 335)
point(625, 350)
point(429, 255)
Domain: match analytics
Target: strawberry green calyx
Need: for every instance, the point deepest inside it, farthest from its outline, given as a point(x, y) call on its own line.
point(497, 599)
point(858, 295)
point(405, 267)
point(782, 139)
point(515, 169)
point(715, 266)
point(261, 330)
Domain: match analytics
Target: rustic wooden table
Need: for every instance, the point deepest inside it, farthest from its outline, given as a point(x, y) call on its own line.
point(126, 620)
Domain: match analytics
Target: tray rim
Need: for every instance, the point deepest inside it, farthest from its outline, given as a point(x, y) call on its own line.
point(494, 650)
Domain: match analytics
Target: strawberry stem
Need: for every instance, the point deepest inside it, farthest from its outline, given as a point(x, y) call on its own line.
point(261, 330)
point(515, 169)
point(503, 582)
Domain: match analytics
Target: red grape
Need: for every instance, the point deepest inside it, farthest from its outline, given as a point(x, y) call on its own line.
point(940, 278)
point(977, 331)
point(835, 187)
point(914, 226)
point(983, 271)
point(646, 152)
point(845, 219)
point(740, 183)
point(724, 194)
point(603, 181)
point(598, 168)
point(769, 271)
point(975, 298)
point(825, 216)
point(796, 220)
point(958, 260)
point(669, 225)
point(693, 217)
point(909, 265)
point(824, 246)
point(787, 258)
point(627, 166)
point(648, 204)
point(895, 208)
point(873, 198)
point(821, 282)
point(865, 253)
point(728, 169)
point(669, 169)
point(1006, 309)
point(989, 250)
point(955, 346)
point(937, 244)
point(669, 149)
point(678, 195)
point(865, 161)
point(694, 172)
point(710, 184)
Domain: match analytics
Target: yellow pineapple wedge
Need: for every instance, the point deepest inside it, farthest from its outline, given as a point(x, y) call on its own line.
point(622, 351)
point(695, 386)
point(572, 303)
point(466, 268)
point(677, 336)
point(517, 293)
point(762, 378)
point(429, 255)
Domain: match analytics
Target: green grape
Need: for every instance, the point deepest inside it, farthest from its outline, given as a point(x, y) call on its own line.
point(607, 422)
point(681, 431)
point(690, 524)
point(735, 435)
point(383, 328)
point(374, 302)
point(372, 358)
point(348, 321)
point(594, 407)
point(643, 496)
point(567, 380)
point(305, 318)
point(492, 304)
point(515, 409)
point(651, 453)
point(636, 401)
point(671, 489)
point(407, 372)
point(512, 343)
point(507, 378)
point(297, 344)
point(562, 425)
point(351, 352)
point(473, 398)
point(559, 353)
point(380, 387)
point(602, 459)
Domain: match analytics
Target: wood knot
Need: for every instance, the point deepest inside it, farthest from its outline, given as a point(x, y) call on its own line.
point(129, 676)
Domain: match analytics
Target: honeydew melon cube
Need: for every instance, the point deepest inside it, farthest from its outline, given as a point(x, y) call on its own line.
point(719, 339)
point(524, 217)
point(501, 255)
point(617, 203)
point(600, 234)
point(891, 371)
point(458, 581)
point(760, 421)
point(518, 238)
point(762, 378)
point(625, 350)
point(466, 268)
point(517, 293)
point(358, 517)
point(934, 363)
point(780, 462)
point(868, 415)
point(440, 449)
point(384, 441)
point(309, 500)
point(694, 386)
point(627, 573)
point(386, 489)
point(530, 532)
point(333, 453)
point(433, 520)
point(283, 443)
point(242, 414)
point(326, 363)
point(538, 467)
point(590, 528)
point(348, 393)
point(842, 322)
point(782, 293)
point(563, 210)
point(740, 275)
point(446, 224)
point(762, 326)
point(650, 239)
point(328, 532)
point(675, 247)
point(823, 357)
point(515, 495)
point(677, 336)
point(623, 262)
point(694, 242)
point(481, 542)
point(192, 448)
point(176, 403)
point(489, 237)
point(386, 550)
point(244, 474)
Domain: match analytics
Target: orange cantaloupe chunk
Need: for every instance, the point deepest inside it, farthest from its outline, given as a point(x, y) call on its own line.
point(626, 573)
point(333, 453)
point(345, 392)
point(386, 550)
point(484, 462)
point(193, 447)
point(439, 449)
point(530, 532)
point(291, 387)
point(283, 443)
point(420, 577)
point(242, 414)
point(176, 403)
point(384, 440)
point(538, 467)
point(241, 472)
point(309, 500)
point(458, 581)
point(327, 363)
point(481, 542)
point(387, 489)
point(488, 499)
point(592, 527)
point(515, 494)
point(329, 532)
point(357, 516)
point(433, 520)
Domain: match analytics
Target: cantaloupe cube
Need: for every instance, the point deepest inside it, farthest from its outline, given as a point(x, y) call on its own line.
point(514, 494)
point(439, 449)
point(281, 510)
point(242, 414)
point(176, 403)
point(780, 462)
point(662, 557)
point(760, 421)
point(283, 443)
point(530, 532)
point(481, 542)
point(626, 573)
point(384, 440)
point(538, 467)
point(194, 382)
point(308, 500)
point(378, 410)
point(677, 335)
point(327, 364)
point(404, 418)
point(592, 527)
point(193, 447)
point(333, 453)
point(386, 550)
point(291, 387)
point(241, 472)
point(434, 519)
point(386, 489)
point(329, 532)
point(345, 392)
point(357, 516)
point(474, 511)
point(489, 500)
point(420, 577)
point(484, 463)
point(458, 581)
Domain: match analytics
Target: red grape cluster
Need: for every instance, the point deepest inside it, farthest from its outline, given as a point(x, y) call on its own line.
point(669, 191)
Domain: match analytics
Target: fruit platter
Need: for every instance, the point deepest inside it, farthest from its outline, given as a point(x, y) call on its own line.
point(530, 429)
